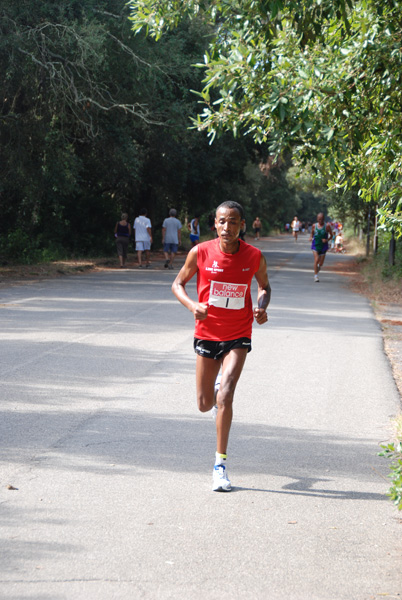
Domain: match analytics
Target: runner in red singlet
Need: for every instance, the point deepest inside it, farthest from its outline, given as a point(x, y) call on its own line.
point(223, 316)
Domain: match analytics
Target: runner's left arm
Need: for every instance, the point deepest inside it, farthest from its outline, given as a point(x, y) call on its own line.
point(264, 292)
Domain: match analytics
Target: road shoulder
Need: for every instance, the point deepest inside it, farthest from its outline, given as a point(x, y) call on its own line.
point(387, 308)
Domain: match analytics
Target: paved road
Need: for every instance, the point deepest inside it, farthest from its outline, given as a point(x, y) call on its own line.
point(100, 434)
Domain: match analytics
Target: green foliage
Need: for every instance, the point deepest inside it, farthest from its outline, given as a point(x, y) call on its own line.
point(322, 77)
point(18, 246)
point(58, 97)
point(268, 194)
point(311, 192)
point(381, 259)
point(94, 120)
point(393, 452)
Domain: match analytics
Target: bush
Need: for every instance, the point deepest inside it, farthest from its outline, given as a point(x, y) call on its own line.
point(382, 258)
point(393, 452)
point(19, 247)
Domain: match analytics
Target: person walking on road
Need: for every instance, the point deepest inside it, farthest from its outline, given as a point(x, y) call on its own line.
point(122, 233)
point(296, 225)
point(143, 237)
point(194, 229)
point(223, 316)
point(257, 227)
point(321, 234)
point(171, 237)
point(339, 243)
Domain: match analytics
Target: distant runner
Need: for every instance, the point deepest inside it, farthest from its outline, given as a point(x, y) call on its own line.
point(321, 234)
point(296, 226)
point(223, 318)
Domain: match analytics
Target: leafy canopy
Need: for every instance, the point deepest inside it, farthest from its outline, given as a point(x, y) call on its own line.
point(322, 77)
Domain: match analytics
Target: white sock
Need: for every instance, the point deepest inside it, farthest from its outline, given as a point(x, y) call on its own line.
point(220, 459)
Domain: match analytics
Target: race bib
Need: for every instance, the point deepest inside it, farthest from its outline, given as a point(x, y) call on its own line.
point(227, 295)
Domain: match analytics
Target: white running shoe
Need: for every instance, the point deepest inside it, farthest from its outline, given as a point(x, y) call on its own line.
point(221, 482)
point(316, 280)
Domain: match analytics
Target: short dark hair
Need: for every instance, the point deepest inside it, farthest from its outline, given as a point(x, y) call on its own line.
point(143, 211)
point(232, 204)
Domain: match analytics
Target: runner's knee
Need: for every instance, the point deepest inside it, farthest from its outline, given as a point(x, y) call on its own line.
point(226, 391)
point(205, 401)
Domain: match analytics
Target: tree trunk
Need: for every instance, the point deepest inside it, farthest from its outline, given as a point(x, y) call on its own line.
point(391, 257)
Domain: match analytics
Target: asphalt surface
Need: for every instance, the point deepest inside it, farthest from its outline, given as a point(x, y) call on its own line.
point(112, 463)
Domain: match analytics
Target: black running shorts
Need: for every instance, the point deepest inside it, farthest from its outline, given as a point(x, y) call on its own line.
point(216, 350)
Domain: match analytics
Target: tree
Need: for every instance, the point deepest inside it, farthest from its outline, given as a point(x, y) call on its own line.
point(59, 94)
point(94, 120)
point(322, 77)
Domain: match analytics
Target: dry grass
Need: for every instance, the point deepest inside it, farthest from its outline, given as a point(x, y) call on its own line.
point(367, 276)
point(12, 274)
point(15, 274)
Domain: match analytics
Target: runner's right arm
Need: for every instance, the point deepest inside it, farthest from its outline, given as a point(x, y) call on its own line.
point(190, 268)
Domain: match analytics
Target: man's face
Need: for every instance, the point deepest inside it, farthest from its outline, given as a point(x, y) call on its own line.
point(228, 224)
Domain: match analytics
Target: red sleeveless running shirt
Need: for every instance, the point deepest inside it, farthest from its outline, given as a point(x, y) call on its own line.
point(223, 282)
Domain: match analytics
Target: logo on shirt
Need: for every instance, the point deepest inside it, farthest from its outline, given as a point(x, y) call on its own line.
point(227, 295)
point(248, 268)
point(215, 268)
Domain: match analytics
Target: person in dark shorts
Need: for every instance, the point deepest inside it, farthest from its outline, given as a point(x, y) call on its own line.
point(223, 315)
point(321, 234)
point(257, 227)
point(122, 232)
point(194, 229)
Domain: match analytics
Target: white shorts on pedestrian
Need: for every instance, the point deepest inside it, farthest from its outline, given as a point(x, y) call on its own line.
point(143, 246)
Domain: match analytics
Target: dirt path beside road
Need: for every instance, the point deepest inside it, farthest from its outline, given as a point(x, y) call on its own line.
point(13, 274)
